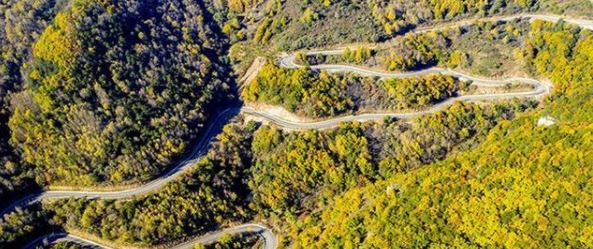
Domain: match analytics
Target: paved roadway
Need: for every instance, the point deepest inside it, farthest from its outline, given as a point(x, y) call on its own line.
point(586, 24)
point(177, 170)
point(62, 237)
point(270, 239)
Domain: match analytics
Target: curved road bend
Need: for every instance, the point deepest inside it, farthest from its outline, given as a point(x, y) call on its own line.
point(270, 240)
point(199, 149)
point(202, 145)
point(290, 62)
point(541, 89)
point(179, 168)
point(62, 237)
point(584, 24)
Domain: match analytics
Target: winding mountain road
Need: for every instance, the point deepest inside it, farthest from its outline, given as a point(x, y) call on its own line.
point(62, 237)
point(177, 170)
point(585, 24)
point(270, 240)
point(541, 88)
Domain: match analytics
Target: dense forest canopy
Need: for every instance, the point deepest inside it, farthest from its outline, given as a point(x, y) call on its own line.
point(116, 91)
point(525, 186)
point(532, 193)
point(161, 44)
point(254, 171)
point(21, 24)
point(106, 93)
point(309, 93)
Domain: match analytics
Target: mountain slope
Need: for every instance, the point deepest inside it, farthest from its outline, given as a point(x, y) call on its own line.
point(116, 90)
point(525, 186)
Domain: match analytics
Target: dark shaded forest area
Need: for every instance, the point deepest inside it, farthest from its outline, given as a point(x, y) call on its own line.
point(113, 92)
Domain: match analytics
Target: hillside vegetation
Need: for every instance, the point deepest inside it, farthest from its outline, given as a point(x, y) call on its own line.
point(308, 93)
point(65, 245)
point(245, 176)
point(524, 186)
point(108, 93)
point(21, 24)
point(241, 241)
point(483, 49)
point(293, 25)
point(116, 91)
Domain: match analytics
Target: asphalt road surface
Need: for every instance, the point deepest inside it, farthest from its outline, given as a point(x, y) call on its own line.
point(270, 240)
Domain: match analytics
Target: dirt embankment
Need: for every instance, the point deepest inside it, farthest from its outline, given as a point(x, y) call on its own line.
point(252, 71)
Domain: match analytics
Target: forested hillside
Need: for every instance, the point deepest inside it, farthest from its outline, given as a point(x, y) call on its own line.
point(525, 186)
point(291, 25)
point(308, 93)
point(532, 193)
point(116, 91)
point(261, 172)
point(482, 49)
point(213, 194)
point(109, 94)
point(21, 24)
